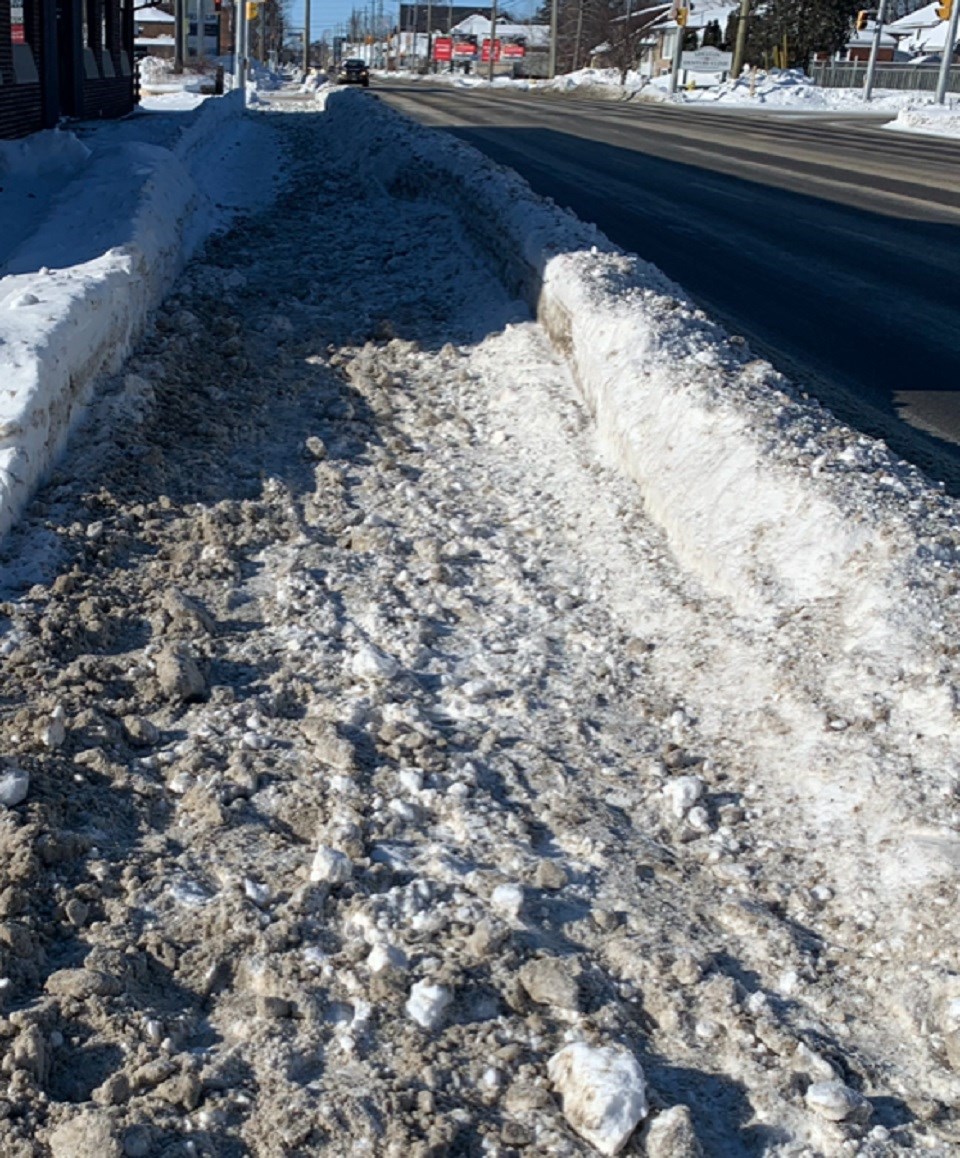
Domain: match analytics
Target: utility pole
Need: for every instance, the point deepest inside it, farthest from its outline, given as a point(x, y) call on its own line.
point(740, 47)
point(178, 17)
point(627, 41)
point(874, 51)
point(429, 37)
point(949, 45)
point(554, 30)
point(493, 40)
point(306, 37)
point(576, 43)
point(240, 47)
point(677, 50)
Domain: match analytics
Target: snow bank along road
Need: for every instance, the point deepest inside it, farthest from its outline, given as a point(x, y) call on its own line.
point(371, 737)
point(832, 246)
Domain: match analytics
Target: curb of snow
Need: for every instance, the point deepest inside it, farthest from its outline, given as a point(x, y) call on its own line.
point(764, 495)
point(61, 328)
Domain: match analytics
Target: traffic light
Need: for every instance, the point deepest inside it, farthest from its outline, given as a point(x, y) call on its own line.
point(681, 17)
point(862, 17)
point(945, 9)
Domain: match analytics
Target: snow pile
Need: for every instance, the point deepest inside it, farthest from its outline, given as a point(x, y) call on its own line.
point(32, 172)
point(312, 81)
point(938, 120)
point(793, 89)
point(157, 69)
point(788, 89)
point(604, 82)
point(264, 79)
point(44, 153)
point(800, 523)
point(595, 78)
point(76, 292)
point(157, 76)
point(776, 87)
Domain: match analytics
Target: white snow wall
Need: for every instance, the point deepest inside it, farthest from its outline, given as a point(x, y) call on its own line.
point(762, 494)
point(61, 329)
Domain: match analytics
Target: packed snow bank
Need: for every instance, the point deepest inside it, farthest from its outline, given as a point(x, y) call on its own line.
point(803, 524)
point(793, 89)
point(76, 292)
point(937, 120)
point(776, 89)
point(32, 171)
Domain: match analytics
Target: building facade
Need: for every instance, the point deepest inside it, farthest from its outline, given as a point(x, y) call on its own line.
point(64, 58)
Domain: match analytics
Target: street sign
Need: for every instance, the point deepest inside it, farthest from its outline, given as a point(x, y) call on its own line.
point(443, 48)
point(485, 50)
point(706, 60)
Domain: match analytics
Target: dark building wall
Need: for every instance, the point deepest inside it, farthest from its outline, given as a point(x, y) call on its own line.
point(21, 104)
point(110, 93)
point(88, 72)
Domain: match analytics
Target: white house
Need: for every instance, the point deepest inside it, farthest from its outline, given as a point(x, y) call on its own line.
point(657, 57)
point(922, 33)
point(534, 35)
point(153, 32)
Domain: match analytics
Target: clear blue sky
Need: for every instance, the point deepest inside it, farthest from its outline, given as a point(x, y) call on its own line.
point(326, 14)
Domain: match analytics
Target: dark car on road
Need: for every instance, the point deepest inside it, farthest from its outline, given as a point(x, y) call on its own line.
point(354, 72)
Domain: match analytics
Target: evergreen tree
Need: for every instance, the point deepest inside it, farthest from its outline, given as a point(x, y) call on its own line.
point(712, 36)
point(730, 32)
point(789, 32)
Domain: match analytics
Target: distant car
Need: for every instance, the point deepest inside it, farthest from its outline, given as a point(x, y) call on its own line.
point(354, 72)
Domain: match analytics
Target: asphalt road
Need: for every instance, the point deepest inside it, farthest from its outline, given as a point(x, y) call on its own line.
point(831, 244)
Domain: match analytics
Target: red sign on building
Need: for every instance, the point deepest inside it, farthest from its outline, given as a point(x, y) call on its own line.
point(513, 50)
point(464, 50)
point(443, 48)
point(485, 50)
point(16, 24)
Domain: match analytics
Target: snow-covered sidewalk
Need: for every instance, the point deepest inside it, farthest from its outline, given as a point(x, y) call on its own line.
point(94, 231)
point(372, 737)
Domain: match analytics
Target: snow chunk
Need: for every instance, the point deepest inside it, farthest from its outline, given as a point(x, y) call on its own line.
point(259, 893)
point(14, 786)
point(683, 793)
point(837, 1102)
point(507, 900)
point(371, 664)
point(603, 1092)
point(427, 1003)
point(386, 957)
point(330, 866)
point(55, 732)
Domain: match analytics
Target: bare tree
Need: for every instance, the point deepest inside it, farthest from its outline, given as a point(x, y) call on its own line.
point(626, 31)
point(584, 25)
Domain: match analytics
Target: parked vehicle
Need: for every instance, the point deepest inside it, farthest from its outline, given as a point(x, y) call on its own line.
point(354, 71)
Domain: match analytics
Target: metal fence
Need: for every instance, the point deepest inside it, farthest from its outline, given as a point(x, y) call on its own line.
point(917, 78)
